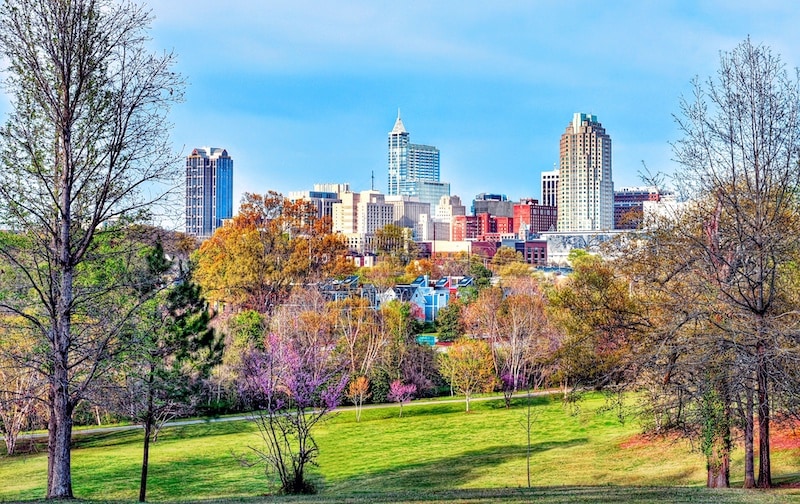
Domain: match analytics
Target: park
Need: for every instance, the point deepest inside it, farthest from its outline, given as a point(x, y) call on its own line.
point(435, 452)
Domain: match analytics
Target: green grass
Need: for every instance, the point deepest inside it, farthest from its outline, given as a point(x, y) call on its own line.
point(434, 453)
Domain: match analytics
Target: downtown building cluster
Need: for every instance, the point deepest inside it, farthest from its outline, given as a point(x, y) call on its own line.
point(579, 207)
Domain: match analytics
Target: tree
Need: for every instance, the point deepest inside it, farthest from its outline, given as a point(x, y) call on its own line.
point(359, 334)
point(420, 267)
point(527, 338)
point(271, 245)
point(399, 326)
point(358, 392)
point(507, 262)
point(741, 147)
point(449, 321)
point(292, 387)
point(385, 273)
point(481, 320)
point(598, 318)
point(682, 358)
point(454, 265)
point(361, 341)
point(20, 385)
point(481, 273)
point(85, 145)
point(392, 241)
point(467, 365)
point(400, 392)
point(174, 349)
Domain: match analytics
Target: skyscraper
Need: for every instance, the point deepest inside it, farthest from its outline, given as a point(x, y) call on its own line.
point(585, 189)
point(209, 190)
point(409, 163)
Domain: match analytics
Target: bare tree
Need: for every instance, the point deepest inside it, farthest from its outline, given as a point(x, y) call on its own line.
point(85, 146)
point(20, 385)
point(741, 147)
point(526, 337)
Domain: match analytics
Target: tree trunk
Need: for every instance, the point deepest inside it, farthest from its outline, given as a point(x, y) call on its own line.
point(719, 469)
point(148, 429)
point(528, 428)
point(764, 469)
point(59, 464)
point(145, 460)
point(11, 443)
point(749, 465)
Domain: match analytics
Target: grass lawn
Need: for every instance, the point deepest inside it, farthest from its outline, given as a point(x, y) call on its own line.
point(434, 453)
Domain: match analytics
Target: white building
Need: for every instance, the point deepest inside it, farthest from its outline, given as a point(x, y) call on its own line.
point(345, 213)
point(373, 212)
point(550, 188)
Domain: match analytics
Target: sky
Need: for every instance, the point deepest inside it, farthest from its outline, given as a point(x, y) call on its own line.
point(302, 92)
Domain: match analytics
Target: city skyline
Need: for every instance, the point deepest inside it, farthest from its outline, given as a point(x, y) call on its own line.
point(305, 92)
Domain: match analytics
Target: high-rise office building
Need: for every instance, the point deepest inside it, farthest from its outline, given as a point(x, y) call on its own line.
point(585, 189)
point(409, 163)
point(209, 190)
point(428, 191)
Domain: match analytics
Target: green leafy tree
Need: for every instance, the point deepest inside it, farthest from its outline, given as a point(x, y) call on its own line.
point(174, 348)
point(468, 367)
point(597, 316)
point(449, 321)
point(479, 272)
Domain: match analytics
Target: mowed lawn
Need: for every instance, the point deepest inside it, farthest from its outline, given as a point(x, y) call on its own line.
point(433, 450)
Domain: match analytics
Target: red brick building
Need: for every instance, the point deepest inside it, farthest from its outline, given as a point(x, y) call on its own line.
point(464, 227)
point(628, 204)
point(538, 218)
point(535, 252)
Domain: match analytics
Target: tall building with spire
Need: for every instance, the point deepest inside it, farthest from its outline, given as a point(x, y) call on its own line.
point(585, 188)
point(410, 165)
point(209, 190)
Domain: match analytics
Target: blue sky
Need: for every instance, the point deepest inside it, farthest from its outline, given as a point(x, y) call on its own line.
point(301, 92)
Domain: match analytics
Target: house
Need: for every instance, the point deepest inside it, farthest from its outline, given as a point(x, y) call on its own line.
point(337, 290)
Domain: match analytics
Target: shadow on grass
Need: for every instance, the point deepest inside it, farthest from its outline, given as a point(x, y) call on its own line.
point(168, 433)
point(520, 402)
point(448, 472)
point(381, 412)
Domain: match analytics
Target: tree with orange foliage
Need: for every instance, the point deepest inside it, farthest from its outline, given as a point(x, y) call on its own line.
point(358, 392)
point(420, 267)
point(270, 245)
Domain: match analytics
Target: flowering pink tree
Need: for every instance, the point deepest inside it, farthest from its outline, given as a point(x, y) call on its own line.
point(291, 388)
point(401, 393)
